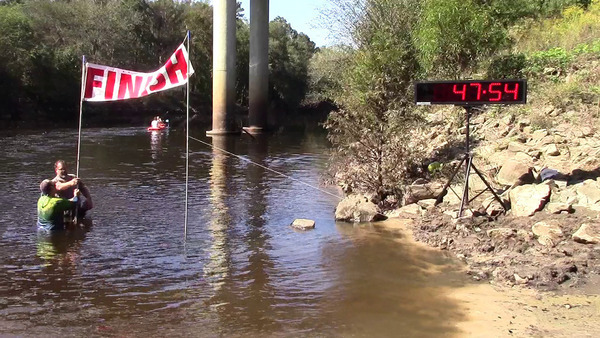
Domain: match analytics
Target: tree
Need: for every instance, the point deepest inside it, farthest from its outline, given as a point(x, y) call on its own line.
point(15, 41)
point(371, 133)
point(289, 55)
point(455, 35)
point(324, 72)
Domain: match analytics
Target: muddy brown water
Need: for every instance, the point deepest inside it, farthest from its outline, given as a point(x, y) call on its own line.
point(240, 271)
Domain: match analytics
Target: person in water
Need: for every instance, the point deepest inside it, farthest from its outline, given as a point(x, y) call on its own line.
point(51, 209)
point(66, 185)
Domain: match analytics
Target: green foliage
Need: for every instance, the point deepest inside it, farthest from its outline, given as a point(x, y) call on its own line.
point(556, 58)
point(324, 72)
point(42, 43)
point(198, 19)
point(556, 61)
point(371, 133)
point(575, 25)
point(455, 35)
point(15, 41)
point(243, 61)
point(289, 56)
point(508, 66)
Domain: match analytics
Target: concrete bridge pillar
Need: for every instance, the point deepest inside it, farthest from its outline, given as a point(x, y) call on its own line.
point(259, 66)
point(224, 59)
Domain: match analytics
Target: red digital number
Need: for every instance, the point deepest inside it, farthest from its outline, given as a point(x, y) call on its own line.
point(463, 92)
point(478, 85)
point(515, 91)
point(498, 92)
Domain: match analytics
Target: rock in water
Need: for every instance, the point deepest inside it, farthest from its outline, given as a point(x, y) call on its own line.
point(303, 224)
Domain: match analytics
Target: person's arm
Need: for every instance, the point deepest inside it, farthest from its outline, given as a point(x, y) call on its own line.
point(86, 193)
point(61, 186)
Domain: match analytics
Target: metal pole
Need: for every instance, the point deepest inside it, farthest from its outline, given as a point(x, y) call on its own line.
point(187, 138)
point(83, 78)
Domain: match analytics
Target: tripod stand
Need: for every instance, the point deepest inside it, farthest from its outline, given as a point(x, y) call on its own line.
point(468, 160)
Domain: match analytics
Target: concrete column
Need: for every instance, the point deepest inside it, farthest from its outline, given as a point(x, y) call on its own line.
point(259, 66)
point(224, 57)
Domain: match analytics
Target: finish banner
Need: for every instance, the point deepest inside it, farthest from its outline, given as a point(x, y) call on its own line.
point(104, 83)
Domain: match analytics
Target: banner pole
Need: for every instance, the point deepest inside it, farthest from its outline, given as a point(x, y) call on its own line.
point(83, 76)
point(187, 137)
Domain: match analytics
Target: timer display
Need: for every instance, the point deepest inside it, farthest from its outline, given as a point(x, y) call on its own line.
point(471, 92)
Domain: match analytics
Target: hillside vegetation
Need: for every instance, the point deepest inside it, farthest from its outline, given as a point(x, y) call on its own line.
point(382, 141)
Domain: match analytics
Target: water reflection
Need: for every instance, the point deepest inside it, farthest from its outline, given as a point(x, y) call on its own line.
point(60, 255)
point(242, 295)
point(156, 146)
point(259, 298)
point(216, 269)
point(61, 248)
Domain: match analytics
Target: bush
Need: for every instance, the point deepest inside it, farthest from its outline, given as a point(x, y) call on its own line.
point(509, 66)
point(455, 35)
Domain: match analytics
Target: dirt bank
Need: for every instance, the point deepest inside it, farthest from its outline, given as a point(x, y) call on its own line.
point(496, 306)
point(519, 312)
point(505, 251)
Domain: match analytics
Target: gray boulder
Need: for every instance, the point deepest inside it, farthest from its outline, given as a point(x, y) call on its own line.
point(525, 200)
point(587, 234)
point(357, 209)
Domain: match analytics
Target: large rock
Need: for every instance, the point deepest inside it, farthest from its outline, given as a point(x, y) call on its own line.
point(539, 134)
point(587, 234)
point(547, 234)
point(525, 200)
point(552, 150)
point(568, 195)
point(407, 210)
point(357, 209)
point(557, 208)
point(514, 171)
point(588, 192)
point(492, 207)
point(303, 224)
point(418, 192)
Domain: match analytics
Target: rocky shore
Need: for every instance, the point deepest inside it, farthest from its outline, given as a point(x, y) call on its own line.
point(547, 178)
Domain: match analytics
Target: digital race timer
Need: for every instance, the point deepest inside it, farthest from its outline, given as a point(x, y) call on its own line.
point(471, 92)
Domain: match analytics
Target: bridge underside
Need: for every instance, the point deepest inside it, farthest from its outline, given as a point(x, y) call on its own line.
point(224, 61)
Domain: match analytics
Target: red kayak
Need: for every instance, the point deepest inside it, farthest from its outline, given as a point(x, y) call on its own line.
point(161, 126)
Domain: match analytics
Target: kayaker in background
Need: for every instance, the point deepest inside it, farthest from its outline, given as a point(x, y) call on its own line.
point(51, 209)
point(154, 123)
point(66, 185)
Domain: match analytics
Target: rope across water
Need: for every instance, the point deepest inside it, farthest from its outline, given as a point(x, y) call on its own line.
point(266, 168)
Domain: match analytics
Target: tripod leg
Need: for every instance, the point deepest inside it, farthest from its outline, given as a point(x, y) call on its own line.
point(440, 197)
point(490, 188)
point(465, 198)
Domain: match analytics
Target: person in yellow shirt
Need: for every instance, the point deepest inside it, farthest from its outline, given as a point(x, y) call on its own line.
point(51, 209)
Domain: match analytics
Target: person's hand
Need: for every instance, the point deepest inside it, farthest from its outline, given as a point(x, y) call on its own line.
point(74, 182)
point(76, 192)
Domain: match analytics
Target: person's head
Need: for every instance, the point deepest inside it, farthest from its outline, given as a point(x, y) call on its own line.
point(60, 168)
point(47, 187)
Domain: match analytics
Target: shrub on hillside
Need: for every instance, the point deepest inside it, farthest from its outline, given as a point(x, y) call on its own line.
point(509, 66)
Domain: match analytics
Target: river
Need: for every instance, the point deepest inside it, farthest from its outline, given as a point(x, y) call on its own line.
point(238, 269)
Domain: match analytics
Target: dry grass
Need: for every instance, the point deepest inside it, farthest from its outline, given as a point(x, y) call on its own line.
point(573, 28)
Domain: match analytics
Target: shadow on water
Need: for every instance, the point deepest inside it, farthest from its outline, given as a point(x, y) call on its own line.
point(242, 271)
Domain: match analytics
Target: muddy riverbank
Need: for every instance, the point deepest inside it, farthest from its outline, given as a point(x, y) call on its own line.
point(499, 307)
